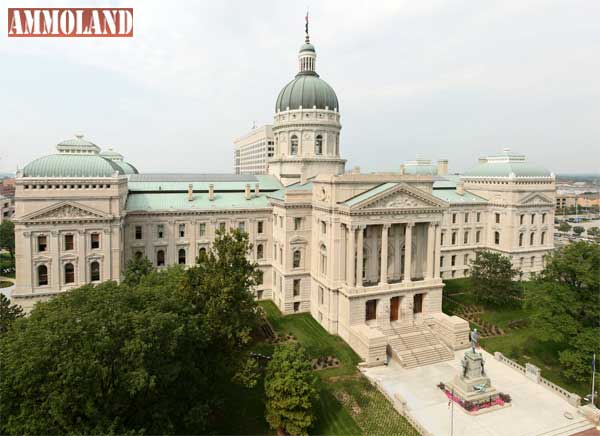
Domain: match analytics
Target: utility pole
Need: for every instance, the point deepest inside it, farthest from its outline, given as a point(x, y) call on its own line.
point(452, 414)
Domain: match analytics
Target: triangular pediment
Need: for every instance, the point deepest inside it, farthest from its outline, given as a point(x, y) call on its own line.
point(401, 196)
point(66, 211)
point(536, 198)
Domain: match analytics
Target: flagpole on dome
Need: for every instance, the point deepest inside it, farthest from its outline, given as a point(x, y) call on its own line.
point(307, 38)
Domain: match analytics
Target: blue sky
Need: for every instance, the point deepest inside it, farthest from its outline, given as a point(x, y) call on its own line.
point(434, 79)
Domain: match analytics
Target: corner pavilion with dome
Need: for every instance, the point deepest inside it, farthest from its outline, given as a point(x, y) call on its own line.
point(365, 254)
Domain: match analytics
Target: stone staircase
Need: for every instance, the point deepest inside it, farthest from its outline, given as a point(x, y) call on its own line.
point(416, 345)
point(577, 426)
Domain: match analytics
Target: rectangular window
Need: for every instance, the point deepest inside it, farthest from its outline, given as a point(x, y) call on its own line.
point(453, 260)
point(321, 296)
point(297, 223)
point(296, 306)
point(222, 226)
point(532, 218)
point(453, 218)
point(138, 232)
point(323, 227)
point(242, 226)
point(478, 216)
point(182, 230)
point(259, 227)
point(42, 243)
point(68, 242)
point(160, 231)
point(281, 222)
point(442, 239)
point(202, 229)
point(453, 238)
point(371, 310)
point(497, 218)
point(441, 261)
point(477, 236)
point(521, 219)
point(466, 238)
point(261, 278)
point(466, 217)
point(466, 259)
point(296, 287)
point(95, 241)
point(543, 218)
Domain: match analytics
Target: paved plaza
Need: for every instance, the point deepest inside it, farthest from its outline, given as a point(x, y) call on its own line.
point(534, 410)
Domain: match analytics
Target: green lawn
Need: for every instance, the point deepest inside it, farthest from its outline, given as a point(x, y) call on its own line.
point(518, 344)
point(348, 404)
point(5, 284)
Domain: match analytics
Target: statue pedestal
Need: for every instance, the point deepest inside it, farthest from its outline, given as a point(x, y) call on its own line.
point(472, 388)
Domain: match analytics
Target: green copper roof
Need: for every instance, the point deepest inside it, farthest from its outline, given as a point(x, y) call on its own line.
point(179, 201)
point(200, 182)
point(280, 194)
point(126, 167)
point(507, 169)
point(111, 154)
point(71, 165)
point(307, 90)
point(307, 47)
point(453, 197)
point(368, 194)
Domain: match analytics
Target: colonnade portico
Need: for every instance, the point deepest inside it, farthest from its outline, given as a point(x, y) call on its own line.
point(397, 266)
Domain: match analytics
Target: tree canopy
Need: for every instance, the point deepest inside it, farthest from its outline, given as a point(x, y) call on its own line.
point(7, 237)
point(564, 227)
point(136, 269)
point(492, 280)
point(8, 313)
point(578, 230)
point(565, 298)
point(290, 387)
point(149, 357)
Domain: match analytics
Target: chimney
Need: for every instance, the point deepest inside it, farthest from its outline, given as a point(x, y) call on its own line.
point(482, 160)
point(211, 192)
point(247, 192)
point(190, 192)
point(256, 190)
point(460, 188)
point(442, 167)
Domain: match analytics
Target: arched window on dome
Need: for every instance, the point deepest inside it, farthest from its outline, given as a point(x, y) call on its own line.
point(294, 145)
point(319, 145)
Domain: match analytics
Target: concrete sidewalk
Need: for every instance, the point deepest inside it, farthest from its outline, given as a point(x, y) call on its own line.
point(534, 410)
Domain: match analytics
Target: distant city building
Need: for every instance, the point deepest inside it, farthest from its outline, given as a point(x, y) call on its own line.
point(253, 151)
point(7, 208)
point(564, 201)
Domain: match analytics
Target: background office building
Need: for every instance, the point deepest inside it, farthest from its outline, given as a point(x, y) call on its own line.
point(253, 151)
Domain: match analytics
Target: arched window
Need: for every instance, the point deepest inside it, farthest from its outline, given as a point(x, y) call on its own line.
point(296, 259)
point(520, 239)
point(42, 275)
point(323, 254)
point(531, 238)
point(69, 273)
point(542, 237)
point(94, 271)
point(160, 258)
point(319, 145)
point(294, 145)
point(138, 254)
point(497, 238)
point(181, 256)
point(259, 251)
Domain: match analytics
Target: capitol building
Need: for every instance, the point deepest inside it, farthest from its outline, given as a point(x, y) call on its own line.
point(365, 254)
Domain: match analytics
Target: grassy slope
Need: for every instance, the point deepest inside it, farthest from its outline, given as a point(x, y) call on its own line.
point(361, 408)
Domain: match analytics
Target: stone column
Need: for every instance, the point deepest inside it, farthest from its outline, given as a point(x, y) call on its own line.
point(397, 253)
point(408, 253)
point(438, 250)
point(430, 249)
point(359, 256)
point(81, 262)
point(54, 269)
point(350, 256)
point(384, 254)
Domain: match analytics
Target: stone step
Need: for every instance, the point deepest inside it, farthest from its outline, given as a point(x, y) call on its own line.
point(417, 346)
point(569, 429)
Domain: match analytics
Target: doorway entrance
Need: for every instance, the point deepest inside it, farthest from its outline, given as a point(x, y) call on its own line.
point(394, 308)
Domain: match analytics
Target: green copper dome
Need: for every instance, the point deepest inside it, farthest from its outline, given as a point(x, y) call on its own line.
point(307, 91)
point(72, 165)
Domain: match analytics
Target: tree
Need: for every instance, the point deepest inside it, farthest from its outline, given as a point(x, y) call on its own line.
point(564, 227)
point(492, 280)
point(106, 359)
point(594, 232)
point(290, 387)
point(8, 313)
point(578, 230)
point(137, 268)
point(566, 305)
point(7, 237)
point(219, 288)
